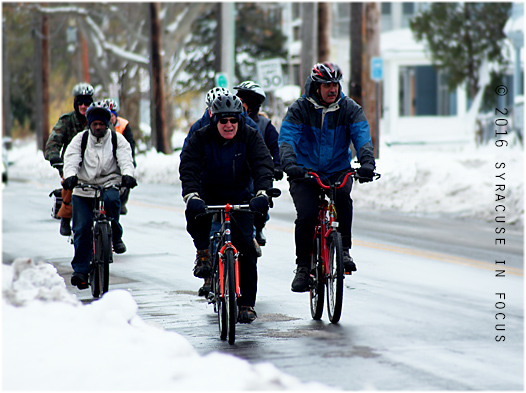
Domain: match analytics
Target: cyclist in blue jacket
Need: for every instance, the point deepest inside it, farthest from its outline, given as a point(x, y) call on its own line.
point(316, 134)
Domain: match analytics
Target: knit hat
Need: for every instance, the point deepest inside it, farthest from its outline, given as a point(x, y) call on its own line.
point(98, 113)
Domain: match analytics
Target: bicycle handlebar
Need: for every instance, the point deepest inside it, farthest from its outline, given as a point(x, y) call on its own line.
point(338, 184)
point(97, 187)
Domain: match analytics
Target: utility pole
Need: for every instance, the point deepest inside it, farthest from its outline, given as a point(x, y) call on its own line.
point(157, 82)
point(225, 47)
point(372, 49)
point(45, 80)
point(309, 40)
point(357, 36)
point(324, 32)
point(84, 57)
point(6, 88)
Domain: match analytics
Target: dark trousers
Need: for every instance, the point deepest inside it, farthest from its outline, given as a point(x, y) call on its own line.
point(305, 196)
point(82, 221)
point(242, 227)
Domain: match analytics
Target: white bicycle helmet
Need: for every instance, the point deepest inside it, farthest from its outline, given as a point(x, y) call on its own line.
point(252, 89)
point(213, 94)
point(83, 89)
point(111, 104)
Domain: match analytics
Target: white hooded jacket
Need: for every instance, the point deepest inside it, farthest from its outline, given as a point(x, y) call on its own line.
point(99, 166)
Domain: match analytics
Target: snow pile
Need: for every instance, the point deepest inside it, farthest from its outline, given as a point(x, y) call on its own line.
point(106, 345)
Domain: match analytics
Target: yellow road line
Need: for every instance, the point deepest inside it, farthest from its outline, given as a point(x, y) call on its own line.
point(402, 250)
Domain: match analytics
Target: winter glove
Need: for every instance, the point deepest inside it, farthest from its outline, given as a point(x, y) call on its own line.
point(366, 173)
point(295, 172)
point(194, 204)
point(57, 160)
point(278, 173)
point(70, 182)
point(128, 181)
point(259, 204)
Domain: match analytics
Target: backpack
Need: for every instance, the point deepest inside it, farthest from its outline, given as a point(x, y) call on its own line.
point(84, 143)
point(263, 123)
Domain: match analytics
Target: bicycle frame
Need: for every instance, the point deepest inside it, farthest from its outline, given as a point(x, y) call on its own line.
point(327, 222)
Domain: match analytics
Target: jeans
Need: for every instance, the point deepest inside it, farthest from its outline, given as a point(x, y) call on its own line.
point(82, 222)
point(305, 196)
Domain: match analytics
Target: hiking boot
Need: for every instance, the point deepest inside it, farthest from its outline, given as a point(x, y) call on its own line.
point(119, 247)
point(258, 248)
point(246, 314)
point(206, 288)
point(260, 238)
point(301, 280)
point(348, 263)
point(65, 226)
point(203, 265)
point(80, 280)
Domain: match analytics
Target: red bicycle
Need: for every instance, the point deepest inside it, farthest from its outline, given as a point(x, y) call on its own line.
point(327, 252)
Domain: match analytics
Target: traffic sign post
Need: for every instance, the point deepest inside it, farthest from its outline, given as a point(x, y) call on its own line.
point(221, 80)
point(377, 74)
point(270, 75)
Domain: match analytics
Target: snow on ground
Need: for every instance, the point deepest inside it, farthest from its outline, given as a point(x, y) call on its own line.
point(39, 313)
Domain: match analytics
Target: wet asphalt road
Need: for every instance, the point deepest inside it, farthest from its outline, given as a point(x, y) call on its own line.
point(418, 315)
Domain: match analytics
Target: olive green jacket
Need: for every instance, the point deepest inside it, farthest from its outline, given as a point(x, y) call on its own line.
point(69, 125)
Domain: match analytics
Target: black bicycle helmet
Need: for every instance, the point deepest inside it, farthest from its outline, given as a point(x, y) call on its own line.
point(326, 73)
point(98, 111)
point(226, 105)
point(251, 92)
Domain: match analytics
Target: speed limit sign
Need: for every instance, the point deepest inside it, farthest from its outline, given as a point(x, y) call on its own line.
point(270, 76)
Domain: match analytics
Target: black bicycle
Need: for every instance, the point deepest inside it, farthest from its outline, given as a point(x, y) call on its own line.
point(225, 267)
point(99, 276)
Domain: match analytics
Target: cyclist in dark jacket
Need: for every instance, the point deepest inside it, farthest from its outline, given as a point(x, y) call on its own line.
point(218, 166)
point(68, 125)
point(253, 96)
point(316, 134)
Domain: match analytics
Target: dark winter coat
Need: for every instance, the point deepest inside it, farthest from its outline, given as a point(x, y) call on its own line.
point(318, 137)
point(222, 171)
point(270, 136)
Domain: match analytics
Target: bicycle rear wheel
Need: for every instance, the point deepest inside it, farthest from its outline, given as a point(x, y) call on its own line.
point(230, 294)
point(100, 269)
point(335, 277)
point(317, 286)
point(219, 300)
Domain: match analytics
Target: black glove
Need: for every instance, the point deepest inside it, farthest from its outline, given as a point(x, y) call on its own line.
point(128, 181)
point(295, 172)
point(56, 160)
point(366, 173)
point(278, 173)
point(70, 182)
point(259, 204)
point(195, 205)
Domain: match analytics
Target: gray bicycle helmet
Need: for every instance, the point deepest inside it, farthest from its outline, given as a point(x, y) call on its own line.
point(83, 89)
point(213, 94)
point(251, 91)
point(227, 105)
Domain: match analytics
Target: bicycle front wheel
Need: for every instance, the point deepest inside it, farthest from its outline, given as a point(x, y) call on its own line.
point(317, 285)
point(100, 273)
point(335, 277)
point(230, 294)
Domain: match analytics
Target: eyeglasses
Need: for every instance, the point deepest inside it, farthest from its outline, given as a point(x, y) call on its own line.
point(226, 120)
point(84, 102)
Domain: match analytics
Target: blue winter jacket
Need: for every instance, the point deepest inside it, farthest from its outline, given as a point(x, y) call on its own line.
point(319, 137)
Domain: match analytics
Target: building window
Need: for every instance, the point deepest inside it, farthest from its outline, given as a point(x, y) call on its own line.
point(408, 11)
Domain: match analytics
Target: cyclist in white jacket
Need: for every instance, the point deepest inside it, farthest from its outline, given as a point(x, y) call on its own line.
point(102, 157)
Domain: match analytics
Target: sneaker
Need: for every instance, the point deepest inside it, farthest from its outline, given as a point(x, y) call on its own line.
point(348, 263)
point(80, 280)
point(65, 226)
point(206, 288)
point(246, 314)
point(119, 247)
point(258, 248)
point(301, 280)
point(203, 265)
point(260, 238)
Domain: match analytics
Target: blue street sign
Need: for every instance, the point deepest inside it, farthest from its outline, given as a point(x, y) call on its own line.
point(377, 69)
